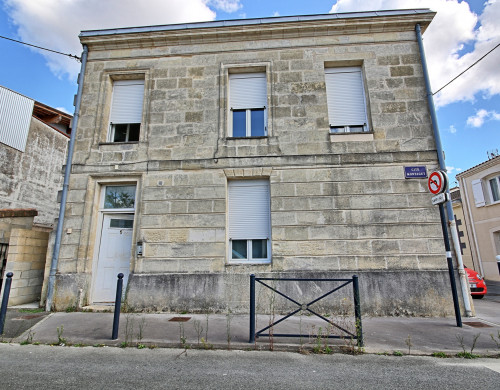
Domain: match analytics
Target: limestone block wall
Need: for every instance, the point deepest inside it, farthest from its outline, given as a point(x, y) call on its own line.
point(31, 179)
point(339, 202)
point(26, 259)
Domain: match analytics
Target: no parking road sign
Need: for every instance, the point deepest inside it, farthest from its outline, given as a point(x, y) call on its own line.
point(437, 183)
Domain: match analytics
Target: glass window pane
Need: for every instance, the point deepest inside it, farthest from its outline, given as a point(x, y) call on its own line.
point(119, 197)
point(239, 249)
point(494, 189)
point(257, 123)
point(120, 132)
point(239, 123)
point(133, 133)
point(121, 223)
point(259, 249)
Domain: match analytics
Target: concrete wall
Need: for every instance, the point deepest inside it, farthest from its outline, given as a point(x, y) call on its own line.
point(26, 259)
point(339, 202)
point(33, 178)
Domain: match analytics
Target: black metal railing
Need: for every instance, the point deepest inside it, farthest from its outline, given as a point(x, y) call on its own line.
point(358, 335)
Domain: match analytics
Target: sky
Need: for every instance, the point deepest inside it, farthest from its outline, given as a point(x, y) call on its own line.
point(468, 110)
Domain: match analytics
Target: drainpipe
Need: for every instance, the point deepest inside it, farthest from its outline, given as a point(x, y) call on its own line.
point(449, 209)
point(67, 171)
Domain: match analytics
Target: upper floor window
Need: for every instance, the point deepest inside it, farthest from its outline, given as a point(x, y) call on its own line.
point(345, 94)
point(247, 102)
point(486, 190)
point(126, 110)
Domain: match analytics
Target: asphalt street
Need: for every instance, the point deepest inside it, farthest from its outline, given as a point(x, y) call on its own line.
point(44, 367)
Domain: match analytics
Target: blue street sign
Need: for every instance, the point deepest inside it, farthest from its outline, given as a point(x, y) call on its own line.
point(415, 172)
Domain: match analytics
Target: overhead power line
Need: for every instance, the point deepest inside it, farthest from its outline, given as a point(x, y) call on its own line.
point(456, 77)
point(43, 48)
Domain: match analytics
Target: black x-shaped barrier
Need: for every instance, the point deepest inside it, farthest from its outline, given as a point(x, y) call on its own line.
point(306, 307)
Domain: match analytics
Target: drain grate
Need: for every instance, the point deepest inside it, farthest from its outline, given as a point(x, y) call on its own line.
point(477, 324)
point(180, 319)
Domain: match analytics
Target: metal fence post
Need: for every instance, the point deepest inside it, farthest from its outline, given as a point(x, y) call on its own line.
point(252, 309)
point(357, 310)
point(5, 300)
point(118, 304)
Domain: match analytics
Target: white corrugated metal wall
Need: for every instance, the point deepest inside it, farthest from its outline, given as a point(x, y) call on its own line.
point(15, 118)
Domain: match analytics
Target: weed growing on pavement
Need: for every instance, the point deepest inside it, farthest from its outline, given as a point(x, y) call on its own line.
point(397, 353)
point(79, 345)
point(38, 310)
point(60, 339)
point(70, 309)
point(322, 344)
point(141, 346)
point(129, 329)
point(229, 318)
point(465, 354)
point(198, 327)
point(98, 345)
point(440, 355)
point(205, 344)
point(409, 344)
point(140, 333)
point(207, 317)
point(496, 339)
point(29, 338)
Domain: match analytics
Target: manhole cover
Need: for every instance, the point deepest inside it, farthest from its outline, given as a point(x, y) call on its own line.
point(477, 324)
point(180, 319)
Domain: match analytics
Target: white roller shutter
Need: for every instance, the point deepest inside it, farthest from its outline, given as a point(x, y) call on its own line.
point(345, 97)
point(249, 209)
point(247, 90)
point(126, 106)
point(477, 190)
point(16, 111)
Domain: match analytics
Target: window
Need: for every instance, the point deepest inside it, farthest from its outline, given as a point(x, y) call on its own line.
point(345, 94)
point(119, 197)
point(249, 221)
point(126, 110)
point(494, 188)
point(247, 102)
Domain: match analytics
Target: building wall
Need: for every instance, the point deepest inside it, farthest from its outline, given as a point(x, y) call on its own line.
point(483, 222)
point(339, 203)
point(31, 179)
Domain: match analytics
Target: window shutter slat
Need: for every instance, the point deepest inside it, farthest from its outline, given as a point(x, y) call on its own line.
point(345, 97)
point(477, 190)
point(127, 101)
point(16, 111)
point(247, 90)
point(249, 209)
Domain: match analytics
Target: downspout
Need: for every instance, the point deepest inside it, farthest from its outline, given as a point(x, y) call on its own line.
point(67, 172)
point(449, 209)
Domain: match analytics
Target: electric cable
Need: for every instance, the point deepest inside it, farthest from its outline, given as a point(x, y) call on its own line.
point(43, 48)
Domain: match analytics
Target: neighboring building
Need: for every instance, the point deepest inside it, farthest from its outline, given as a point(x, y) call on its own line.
point(480, 189)
point(33, 145)
point(209, 151)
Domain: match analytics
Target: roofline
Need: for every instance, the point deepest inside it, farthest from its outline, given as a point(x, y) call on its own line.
point(475, 168)
point(253, 21)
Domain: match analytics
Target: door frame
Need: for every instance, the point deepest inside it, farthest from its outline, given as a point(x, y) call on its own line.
point(100, 221)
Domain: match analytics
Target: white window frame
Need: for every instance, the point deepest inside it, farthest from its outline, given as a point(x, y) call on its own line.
point(249, 106)
point(232, 236)
point(117, 210)
point(490, 192)
point(334, 97)
point(134, 111)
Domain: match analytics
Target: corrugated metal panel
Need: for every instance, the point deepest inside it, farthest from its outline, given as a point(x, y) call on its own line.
point(15, 118)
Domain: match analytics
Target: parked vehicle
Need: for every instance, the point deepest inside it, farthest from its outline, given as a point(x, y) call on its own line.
point(477, 284)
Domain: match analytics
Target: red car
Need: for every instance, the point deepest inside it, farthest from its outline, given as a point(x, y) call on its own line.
point(477, 285)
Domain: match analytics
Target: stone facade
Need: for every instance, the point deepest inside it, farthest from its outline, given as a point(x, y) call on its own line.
point(340, 204)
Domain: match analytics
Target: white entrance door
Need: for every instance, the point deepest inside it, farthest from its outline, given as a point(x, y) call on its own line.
point(114, 255)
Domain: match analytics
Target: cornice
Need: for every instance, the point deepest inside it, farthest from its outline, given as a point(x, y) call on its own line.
point(265, 29)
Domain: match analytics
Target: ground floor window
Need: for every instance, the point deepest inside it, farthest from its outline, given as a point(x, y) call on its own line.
point(249, 221)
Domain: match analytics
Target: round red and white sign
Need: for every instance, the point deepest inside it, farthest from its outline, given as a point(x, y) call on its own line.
point(437, 182)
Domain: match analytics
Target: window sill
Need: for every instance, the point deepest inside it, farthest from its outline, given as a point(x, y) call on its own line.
point(119, 143)
point(247, 262)
point(259, 137)
point(355, 137)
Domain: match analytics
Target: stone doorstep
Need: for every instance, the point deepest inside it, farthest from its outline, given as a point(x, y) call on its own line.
point(100, 308)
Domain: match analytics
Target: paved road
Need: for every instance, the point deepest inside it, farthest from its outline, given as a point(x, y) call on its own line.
point(45, 367)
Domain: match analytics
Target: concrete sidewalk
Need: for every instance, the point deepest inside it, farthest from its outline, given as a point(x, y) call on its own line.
point(381, 334)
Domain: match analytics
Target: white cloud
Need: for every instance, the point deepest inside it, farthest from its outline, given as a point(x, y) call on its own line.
point(452, 129)
point(453, 26)
point(55, 24)
point(453, 170)
point(276, 13)
point(481, 117)
point(228, 6)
